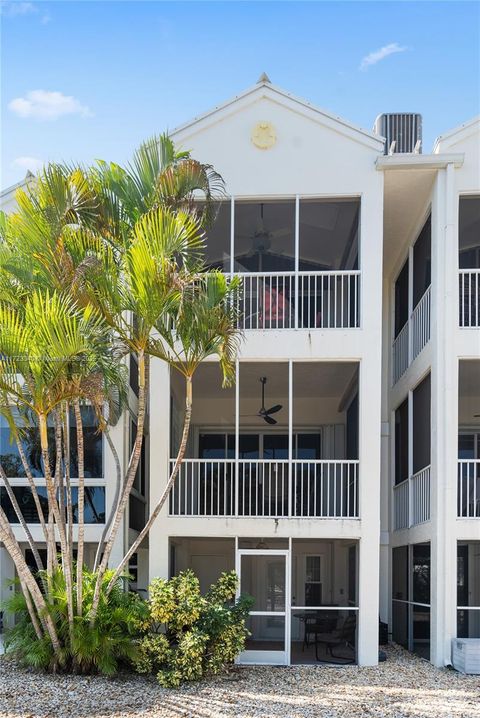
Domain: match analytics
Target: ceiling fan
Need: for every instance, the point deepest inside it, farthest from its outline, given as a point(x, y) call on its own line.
point(261, 238)
point(265, 414)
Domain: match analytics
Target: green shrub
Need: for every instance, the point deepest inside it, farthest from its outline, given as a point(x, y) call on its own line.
point(188, 635)
point(101, 648)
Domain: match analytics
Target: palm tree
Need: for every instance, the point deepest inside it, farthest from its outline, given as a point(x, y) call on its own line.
point(96, 264)
point(51, 352)
point(203, 323)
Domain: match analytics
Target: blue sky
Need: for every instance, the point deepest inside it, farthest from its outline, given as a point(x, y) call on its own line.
point(85, 80)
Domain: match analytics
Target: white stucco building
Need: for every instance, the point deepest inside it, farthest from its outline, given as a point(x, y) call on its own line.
point(358, 498)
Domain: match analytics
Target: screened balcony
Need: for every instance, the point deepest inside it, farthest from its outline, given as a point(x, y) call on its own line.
point(468, 479)
point(469, 262)
point(411, 490)
point(298, 259)
point(412, 304)
point(298, 461)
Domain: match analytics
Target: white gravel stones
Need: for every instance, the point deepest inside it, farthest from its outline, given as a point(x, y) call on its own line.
point(402, 687)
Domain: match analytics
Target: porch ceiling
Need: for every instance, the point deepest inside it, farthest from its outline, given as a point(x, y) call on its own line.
point(406, 198)
point(310, 379)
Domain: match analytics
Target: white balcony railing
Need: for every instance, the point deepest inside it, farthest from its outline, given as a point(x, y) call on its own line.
point(411, 500)
point(468, 492)
point(266, 488)
point(401, 501)
point(325, 489)
point(420, 325)
point(303, 300)
point(420, 487)
point(413, 336)
point(400, 353)
point(469, 299)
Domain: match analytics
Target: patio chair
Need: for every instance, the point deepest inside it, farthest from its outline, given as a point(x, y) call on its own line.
point(344, 636)
point(317, 624)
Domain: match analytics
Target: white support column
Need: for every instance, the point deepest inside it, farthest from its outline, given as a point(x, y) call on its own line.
point(290, 437)
point(410, 456)
point(444, 418)
point(159, 423)
point(297, 256)
point(7, 574)
point(237, 434)
point(232, 235)
point(370, 390)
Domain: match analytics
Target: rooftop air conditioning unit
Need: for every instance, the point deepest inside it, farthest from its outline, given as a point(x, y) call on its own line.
point(466, 655)
point(402, 132)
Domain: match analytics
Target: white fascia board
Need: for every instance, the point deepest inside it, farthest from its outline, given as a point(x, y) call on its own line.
point(276, 94)
point(13, 188)
point(465, 127)
point(420, 162)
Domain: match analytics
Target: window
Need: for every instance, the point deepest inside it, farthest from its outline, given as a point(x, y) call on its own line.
point(93, 447)
point(313, 580)
point(272, 446)
point(94, 512)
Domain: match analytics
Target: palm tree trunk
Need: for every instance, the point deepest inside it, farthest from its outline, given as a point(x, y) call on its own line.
point(26, 577)
point(21, 519)
point(59, 519)
point(68, 486)
point(81, 504)
point(180, 456)
point(118, 471)
point(31, 611)
point(143, 372)
point(33, 487)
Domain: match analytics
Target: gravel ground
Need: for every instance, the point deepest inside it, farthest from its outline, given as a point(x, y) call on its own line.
point(403, 686)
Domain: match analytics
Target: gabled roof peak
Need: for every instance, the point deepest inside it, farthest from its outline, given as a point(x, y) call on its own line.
point(264, 88)
point(264, 78)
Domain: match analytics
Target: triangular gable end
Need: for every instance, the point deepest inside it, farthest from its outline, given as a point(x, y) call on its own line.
point(265, 90)
point(457, 135)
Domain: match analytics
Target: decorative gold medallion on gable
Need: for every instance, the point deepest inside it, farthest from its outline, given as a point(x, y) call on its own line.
point(264, 135)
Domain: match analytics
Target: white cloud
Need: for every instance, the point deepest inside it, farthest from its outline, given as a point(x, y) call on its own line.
point(373, 57)
point(28, 163)
point(18, 9)
point(13, 9)
point(45, 105)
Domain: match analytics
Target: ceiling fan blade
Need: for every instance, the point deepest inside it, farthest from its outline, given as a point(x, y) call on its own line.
point(285, 232)
point(269, 419)
point(274, 409)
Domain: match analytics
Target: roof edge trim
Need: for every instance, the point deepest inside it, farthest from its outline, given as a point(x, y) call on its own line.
point(420, 162)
